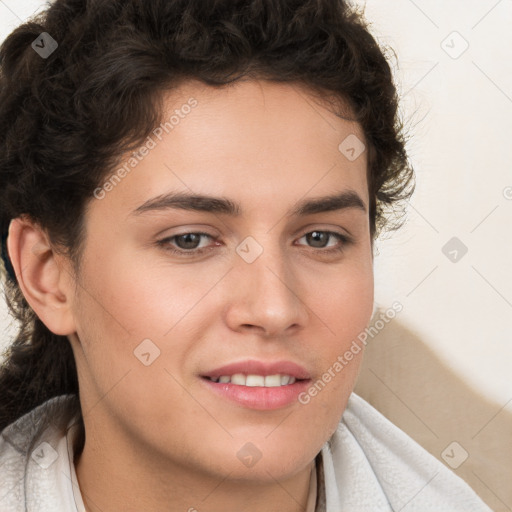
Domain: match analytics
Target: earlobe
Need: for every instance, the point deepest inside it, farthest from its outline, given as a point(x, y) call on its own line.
point(46, 284)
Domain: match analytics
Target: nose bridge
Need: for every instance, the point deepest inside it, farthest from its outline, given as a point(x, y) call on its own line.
point(267, 293)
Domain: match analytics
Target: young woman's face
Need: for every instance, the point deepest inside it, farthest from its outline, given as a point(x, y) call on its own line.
point(169, 294)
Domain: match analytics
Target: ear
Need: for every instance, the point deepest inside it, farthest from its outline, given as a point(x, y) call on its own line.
point(42, 274)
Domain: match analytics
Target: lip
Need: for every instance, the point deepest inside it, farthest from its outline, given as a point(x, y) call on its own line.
point(254, 367)
point(259, 397)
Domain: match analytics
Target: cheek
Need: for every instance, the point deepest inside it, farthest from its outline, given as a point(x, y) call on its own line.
point(344, 301)
point(139, 295)
point(346, 311)
point(119, 336)
point(129, 313)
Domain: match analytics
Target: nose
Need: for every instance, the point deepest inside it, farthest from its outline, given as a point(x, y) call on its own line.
point(266, 296)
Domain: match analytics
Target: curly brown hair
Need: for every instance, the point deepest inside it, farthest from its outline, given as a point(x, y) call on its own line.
point(65, 120)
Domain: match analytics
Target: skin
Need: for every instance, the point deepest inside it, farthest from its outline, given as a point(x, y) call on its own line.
point(156, 438)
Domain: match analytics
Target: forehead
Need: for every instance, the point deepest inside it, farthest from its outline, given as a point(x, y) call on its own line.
point(274, 113)
point(256, 141)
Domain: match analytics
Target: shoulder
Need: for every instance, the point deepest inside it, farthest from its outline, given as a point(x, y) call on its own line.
point(399, 470)
point(28, 447)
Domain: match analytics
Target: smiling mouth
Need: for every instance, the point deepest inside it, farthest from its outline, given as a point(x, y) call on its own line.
point(252, 380)
point(258, 392)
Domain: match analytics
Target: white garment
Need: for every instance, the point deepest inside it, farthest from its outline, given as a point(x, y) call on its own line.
point(368, 465)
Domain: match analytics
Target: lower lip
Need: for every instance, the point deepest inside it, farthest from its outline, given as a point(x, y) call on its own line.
point(259, 397)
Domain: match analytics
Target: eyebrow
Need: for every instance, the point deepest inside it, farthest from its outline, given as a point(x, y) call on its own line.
point(347, 199)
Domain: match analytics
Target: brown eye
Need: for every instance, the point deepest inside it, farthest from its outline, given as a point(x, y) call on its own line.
point(188, 240)
point(186, 244)
point(319, 240)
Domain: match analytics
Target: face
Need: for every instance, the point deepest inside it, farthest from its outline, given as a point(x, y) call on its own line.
point(171, 292)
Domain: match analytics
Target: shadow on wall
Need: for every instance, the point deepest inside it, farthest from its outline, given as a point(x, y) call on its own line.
point(404, 380)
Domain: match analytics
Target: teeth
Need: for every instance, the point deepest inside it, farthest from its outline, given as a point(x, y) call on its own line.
point(272, 381)
point(269, 381)
point(238, 378)
point(254, 380)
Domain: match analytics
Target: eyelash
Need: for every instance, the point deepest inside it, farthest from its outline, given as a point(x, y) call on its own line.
point(164, 243)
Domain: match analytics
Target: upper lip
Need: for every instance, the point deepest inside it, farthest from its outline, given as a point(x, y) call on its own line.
point(254, 367)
